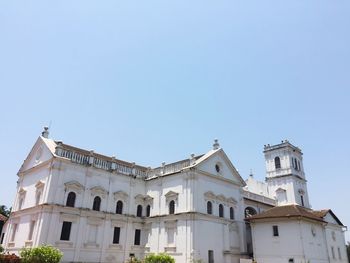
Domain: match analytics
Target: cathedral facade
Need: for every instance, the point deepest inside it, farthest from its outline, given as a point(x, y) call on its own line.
point(96, 208)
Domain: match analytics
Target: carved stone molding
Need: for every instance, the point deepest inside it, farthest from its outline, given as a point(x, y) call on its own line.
point(120, 195)
point(74, 185)
point(171, 195)
point(98, 190)
point(39, 185)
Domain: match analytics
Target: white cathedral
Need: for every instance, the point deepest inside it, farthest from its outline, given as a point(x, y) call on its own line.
point(96, 208)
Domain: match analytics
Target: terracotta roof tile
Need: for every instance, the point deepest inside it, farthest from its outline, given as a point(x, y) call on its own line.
point(287, 211)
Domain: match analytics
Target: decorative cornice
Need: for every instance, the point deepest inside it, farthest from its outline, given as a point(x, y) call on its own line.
point(99, 190)
point(39, 184)
point(74, 185)
point(120, 195)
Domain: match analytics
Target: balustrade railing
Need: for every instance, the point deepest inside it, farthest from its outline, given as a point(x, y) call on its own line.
point(259, 198)
point(101, 163)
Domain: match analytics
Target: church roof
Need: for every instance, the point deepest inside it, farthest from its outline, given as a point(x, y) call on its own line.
point(287, 211)
point(324, 212)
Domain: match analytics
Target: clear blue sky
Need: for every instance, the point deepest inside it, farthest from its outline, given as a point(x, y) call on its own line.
point(153, 81)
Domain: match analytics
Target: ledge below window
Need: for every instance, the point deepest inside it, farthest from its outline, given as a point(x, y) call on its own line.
point(28, 243)
point(170, 249)
point(63, 243)
point(11, 244)
point(115, 246)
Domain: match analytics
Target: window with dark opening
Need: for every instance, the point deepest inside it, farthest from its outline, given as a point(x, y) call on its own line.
point(137, 237)
point(210, 256)
point(232, 213)
point(221, 210)
point(65, 233)
point(172, 207)
point(97, 203)
point(116, 235)
point(302, 200)
point(139, 211)
point(119, 208)
point(71, 199)
point(275, 231)
point(148, 211)
point(209, 208)
point(277, 163)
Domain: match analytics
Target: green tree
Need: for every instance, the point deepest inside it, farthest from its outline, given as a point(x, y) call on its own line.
point(42, 254)
point(5, 211)
point(159, 258)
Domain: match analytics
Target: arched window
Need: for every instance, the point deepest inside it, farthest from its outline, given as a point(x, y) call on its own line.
point(71, 199)
point(139, 211)
point(209, 208)
point(221, 210)
point(232, 213)
point(172, 207)
point(97, 203)
point(249, 211)
point(277, 163)
point(119, 208)
point(148, 210)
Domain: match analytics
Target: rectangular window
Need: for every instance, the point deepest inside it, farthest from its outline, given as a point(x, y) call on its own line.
point(116, 235)
point(275, 231)
point(31, 230)
point(14, 230)
point(339, 254)
point(210, 256)
point(333, 254)
point(302, 200)
point(137, 237)
point(66, 227)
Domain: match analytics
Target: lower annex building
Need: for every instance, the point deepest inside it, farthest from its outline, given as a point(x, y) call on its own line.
point(97, 208)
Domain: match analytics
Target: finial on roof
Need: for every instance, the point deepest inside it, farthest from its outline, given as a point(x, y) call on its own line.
point(251, 173)
point(45, 132)
point(216, 144)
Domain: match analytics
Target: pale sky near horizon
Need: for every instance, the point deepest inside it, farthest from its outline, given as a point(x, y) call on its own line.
point(155, 81)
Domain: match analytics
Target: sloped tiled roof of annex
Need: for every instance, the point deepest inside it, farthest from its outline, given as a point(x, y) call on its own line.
point(287, 211)
point(324, 212)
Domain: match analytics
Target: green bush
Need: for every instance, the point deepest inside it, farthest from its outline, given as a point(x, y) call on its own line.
point(42, 254)
point(159, 258)
point(1, 249)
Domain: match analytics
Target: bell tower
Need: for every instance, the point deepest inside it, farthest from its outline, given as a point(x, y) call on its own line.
point(285, 175)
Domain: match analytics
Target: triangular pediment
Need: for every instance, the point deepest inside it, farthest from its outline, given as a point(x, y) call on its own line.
point(42, 151)
point(218, 164)
point(330, 217)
